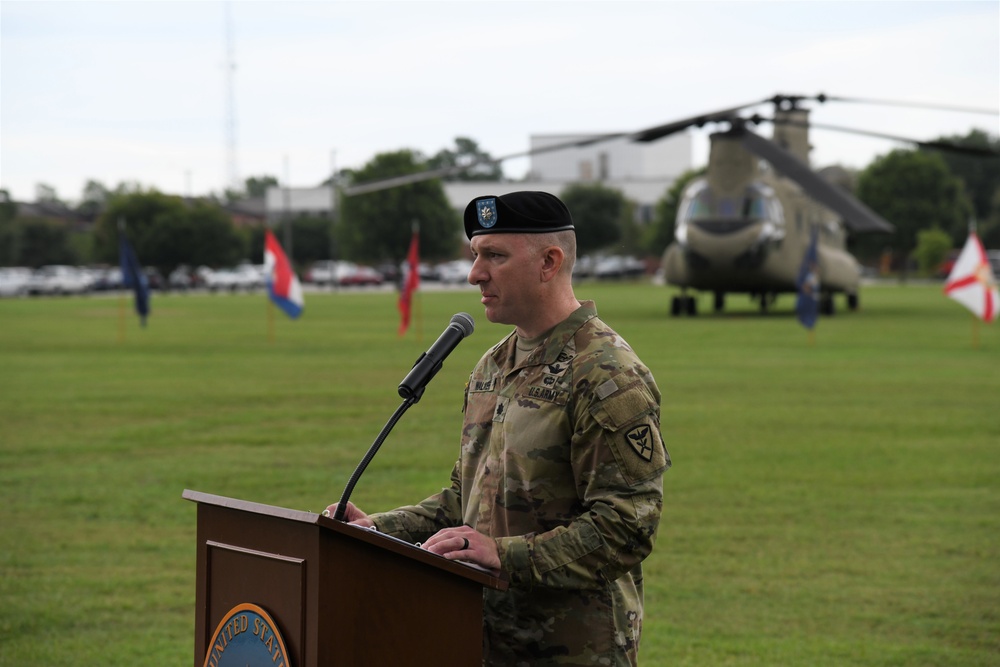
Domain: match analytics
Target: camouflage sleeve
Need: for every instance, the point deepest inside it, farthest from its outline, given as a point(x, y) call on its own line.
point(416, 523)
point(618, 460)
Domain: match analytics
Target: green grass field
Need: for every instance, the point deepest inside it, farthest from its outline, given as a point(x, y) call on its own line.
point(830, 503)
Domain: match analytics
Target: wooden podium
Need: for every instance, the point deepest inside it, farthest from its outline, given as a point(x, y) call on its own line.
point(340, 594)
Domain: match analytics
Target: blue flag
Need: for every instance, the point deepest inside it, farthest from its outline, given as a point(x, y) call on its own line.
point(807, 305)
point(133, 276)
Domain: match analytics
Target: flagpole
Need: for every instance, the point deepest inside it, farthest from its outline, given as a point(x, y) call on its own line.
point(975, 332)
point(121, 294)
point(121, 317)
point(270, 321)
point(420, 316)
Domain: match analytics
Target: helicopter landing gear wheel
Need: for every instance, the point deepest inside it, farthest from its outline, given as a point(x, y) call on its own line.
point(683, 305)
point(826, 304)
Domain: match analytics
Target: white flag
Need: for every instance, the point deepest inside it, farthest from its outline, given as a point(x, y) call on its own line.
point(972, 283)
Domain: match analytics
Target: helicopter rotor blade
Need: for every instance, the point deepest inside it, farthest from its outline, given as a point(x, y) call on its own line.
point(915, 105)
point(661, 131)
point(857, 216)
point(977, 151)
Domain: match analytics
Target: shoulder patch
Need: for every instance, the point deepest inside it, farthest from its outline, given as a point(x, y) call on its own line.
point(641, 440)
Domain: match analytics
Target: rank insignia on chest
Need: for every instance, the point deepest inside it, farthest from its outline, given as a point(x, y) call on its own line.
point(641, 442)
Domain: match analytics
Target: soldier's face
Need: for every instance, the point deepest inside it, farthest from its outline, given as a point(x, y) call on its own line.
point(507, 270)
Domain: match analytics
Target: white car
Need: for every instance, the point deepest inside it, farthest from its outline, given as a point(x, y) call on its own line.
point(455, 272)
point(14, 280)
point(993, 256)
point(59, 279)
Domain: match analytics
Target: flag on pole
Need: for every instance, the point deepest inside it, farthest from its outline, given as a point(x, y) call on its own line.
point(282, 284)
point(971, 281)
point(411, 281)
point(133, 276)
point(807, 304)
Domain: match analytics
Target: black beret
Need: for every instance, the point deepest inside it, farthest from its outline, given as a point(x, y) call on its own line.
point(516, 213)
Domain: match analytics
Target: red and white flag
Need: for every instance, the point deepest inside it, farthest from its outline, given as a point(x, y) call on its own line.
point(282, 284)
point(411, 282)
point(972, 283)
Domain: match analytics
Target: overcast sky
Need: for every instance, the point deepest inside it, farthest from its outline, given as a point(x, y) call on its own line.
point(137, 91)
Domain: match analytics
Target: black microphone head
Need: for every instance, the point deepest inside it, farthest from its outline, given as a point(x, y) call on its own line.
point(464, 322)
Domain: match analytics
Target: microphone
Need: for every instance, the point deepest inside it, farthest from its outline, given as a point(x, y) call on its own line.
point(429, 363)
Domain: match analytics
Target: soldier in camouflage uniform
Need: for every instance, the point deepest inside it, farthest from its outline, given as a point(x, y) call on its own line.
point(559, 480)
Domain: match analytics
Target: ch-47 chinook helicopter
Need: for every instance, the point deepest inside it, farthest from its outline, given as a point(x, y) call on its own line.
point(745, 226)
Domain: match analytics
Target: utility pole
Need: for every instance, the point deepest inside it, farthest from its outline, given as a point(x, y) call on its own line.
point(334, 211)
point(287, 192)
point(232, 173)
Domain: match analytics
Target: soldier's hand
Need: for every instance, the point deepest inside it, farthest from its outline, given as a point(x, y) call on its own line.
point(465, 543)
point(351, 515)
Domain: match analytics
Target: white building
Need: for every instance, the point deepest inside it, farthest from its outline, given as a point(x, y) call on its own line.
point(618, 160)
point(281, 202)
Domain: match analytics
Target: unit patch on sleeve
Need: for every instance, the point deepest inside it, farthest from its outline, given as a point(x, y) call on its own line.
point(642, 443)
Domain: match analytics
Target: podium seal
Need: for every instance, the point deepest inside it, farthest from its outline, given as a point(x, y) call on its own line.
point(247, 637)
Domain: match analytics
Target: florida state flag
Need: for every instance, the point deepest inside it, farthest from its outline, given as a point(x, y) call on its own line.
point(972, 283)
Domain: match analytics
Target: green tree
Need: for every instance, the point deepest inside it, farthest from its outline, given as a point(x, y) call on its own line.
point(467, 153)
point(377, 226)
point(95, 195)
point(166, 232)
point(914, 190)
point(660, 233)
point(256, 186)
point(932, 247)
point(38, 241)
point(989, 230)
point(311, 238)
point(981, 175)
point(599, 214)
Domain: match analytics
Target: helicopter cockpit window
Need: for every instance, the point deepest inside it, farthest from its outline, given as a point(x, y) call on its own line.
point(757, 203)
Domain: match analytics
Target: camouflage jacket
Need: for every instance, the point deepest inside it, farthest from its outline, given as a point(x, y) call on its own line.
point(561, 462)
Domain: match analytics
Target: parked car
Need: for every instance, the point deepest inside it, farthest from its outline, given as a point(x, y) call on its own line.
point(323, 272)
point(59, 279)
point(619, 266)
point(243, 277)
point(14, 280)
point(349, 274)
point(107, 278)
point(455, 272)
point(994, 258)
point(182, 278)
point(390, 272)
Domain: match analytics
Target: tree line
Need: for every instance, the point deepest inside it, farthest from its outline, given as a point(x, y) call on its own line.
point(929, 196)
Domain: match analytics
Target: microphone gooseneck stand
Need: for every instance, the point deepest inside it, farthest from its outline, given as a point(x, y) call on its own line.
point(403, 407)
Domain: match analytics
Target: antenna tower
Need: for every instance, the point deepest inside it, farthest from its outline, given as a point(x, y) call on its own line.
point(232, 173)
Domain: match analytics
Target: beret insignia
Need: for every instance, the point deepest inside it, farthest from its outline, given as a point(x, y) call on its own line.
point(487, 212)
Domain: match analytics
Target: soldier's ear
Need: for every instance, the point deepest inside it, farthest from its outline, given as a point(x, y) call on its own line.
point(552, 260)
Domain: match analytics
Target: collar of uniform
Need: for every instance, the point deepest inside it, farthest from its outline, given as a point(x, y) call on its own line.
point(565, 330)
point(562, 334)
